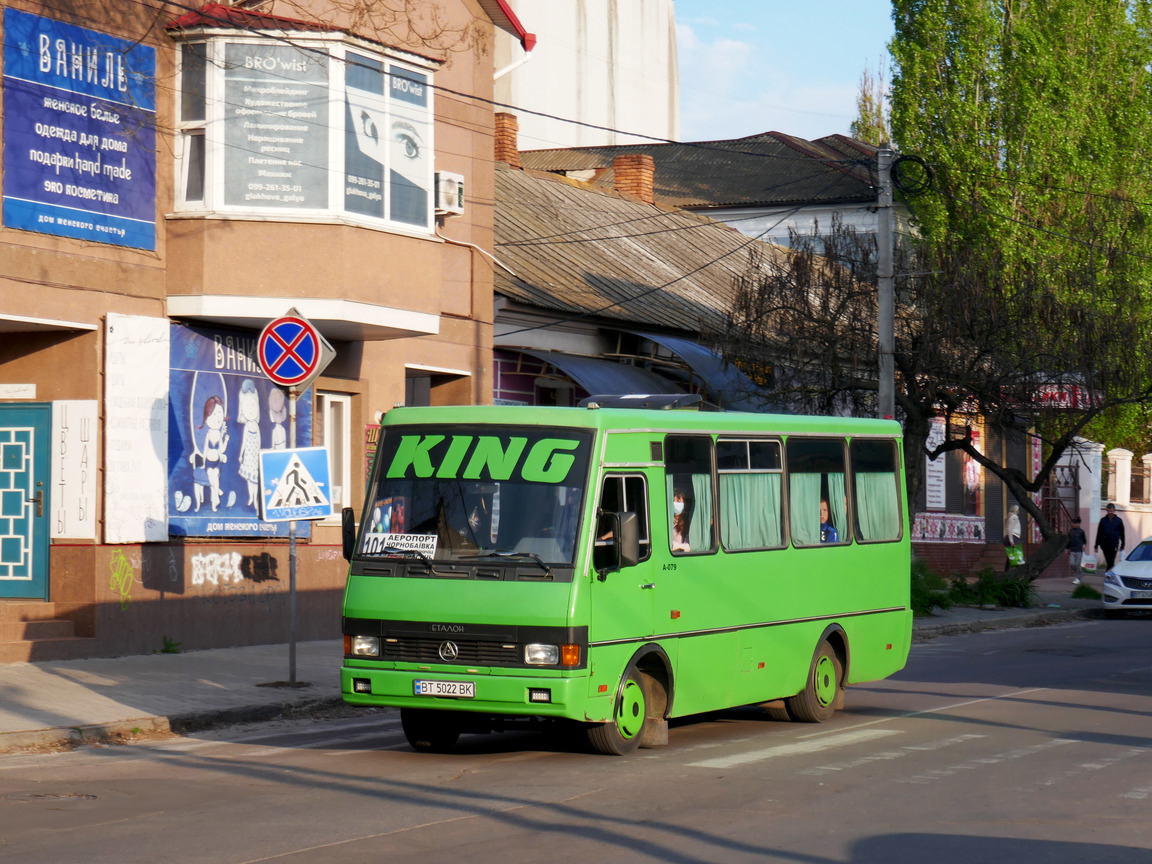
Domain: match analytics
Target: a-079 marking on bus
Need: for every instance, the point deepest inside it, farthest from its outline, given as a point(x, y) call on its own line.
point(459, 689)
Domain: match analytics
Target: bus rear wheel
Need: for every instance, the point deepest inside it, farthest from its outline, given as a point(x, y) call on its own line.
point(817, 702)
point(429, 731)
point(622, 735)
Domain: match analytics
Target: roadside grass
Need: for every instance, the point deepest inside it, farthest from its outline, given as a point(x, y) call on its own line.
point(1085, 592)
point(932, 591)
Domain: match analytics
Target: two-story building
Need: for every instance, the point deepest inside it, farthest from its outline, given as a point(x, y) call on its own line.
point(173, 181)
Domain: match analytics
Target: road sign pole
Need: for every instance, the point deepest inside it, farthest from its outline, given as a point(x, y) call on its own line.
point(292, 393)
point(292, 353)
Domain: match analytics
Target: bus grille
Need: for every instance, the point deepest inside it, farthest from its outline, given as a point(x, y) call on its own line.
point(472, 652)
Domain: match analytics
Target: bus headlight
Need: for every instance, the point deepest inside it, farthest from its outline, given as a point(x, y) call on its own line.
point(537, 654)
point(365, 646)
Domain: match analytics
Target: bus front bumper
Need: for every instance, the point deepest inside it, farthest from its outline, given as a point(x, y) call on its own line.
point(507, 693)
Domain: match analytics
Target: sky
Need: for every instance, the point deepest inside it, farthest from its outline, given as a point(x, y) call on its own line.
point(792, 66)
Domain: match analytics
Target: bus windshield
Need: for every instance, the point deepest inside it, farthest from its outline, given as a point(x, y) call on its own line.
point(466, 492)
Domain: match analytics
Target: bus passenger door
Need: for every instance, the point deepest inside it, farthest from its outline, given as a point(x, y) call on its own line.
point(623, 601)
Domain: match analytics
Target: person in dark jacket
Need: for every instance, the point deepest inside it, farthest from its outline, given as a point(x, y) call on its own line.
point(1110, 536)
point(1077, 540)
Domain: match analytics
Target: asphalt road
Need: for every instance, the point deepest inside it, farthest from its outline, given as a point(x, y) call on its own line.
point(1014, 746)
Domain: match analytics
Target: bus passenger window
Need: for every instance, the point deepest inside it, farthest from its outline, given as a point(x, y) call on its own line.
point(875, 489)
point(817, 497)
point(688, 475)
point(751, 475)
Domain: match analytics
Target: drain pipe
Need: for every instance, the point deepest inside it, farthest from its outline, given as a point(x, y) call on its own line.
point(529, 42)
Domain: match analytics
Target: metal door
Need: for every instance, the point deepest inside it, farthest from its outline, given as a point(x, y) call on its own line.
point(24, 484)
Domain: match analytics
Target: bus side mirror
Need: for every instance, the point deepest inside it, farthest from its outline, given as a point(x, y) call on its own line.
point(629, 541)
point(348, 531)
point(617, 543)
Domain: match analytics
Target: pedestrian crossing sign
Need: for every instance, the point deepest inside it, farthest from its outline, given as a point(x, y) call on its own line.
point(295, 484)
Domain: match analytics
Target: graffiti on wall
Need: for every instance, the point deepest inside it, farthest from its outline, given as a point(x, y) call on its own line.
point(220, 578)
point(123, 574)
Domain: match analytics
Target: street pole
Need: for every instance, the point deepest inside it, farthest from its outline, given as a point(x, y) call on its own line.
point(292, 393)
point(886, 311)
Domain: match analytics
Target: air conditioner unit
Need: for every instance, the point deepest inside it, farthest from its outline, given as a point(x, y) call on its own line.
point(449, 194)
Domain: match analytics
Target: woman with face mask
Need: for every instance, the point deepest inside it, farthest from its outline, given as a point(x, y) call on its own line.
point(679, 523)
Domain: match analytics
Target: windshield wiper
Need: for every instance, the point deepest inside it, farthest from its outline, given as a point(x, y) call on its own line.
point(514, 555)
point(424, 558)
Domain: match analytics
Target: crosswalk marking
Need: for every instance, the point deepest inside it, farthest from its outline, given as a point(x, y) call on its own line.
point(800, 747)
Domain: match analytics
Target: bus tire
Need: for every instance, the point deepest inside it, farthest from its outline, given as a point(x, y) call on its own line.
point(429, 731)
point(779, 713)
point(622, 734)
point(817, 701)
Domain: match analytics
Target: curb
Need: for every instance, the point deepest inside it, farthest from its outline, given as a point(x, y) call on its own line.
point(925, 632)
point(122, 731)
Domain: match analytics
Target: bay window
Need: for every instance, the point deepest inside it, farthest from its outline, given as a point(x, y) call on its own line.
point(313, 130)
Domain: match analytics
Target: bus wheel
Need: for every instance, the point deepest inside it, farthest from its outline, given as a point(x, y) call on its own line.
point(622, 736)
point(429, 731)
point(817, 702)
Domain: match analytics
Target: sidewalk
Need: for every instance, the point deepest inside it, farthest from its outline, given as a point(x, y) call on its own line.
point(55, 704)
point(113, 699)
point(1053, 604)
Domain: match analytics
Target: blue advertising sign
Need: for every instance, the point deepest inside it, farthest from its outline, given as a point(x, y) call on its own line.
point(222, 412)
point(81, 161)
point(295, 485)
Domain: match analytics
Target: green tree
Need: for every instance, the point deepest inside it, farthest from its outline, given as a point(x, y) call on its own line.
point(1034, 119)
point(871, 123)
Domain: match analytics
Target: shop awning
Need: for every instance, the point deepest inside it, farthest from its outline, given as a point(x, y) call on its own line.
point(338, 320)
point(603, 377)
point(25, 324)
point(733, 389)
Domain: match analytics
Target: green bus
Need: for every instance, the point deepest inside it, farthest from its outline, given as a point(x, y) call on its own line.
point(620, 566)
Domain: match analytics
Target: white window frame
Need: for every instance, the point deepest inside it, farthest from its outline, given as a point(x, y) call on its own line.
point(215, 152)
point(339, 463)
point(186, 131)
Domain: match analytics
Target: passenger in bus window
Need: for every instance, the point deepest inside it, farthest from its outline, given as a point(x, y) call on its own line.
point(679, 523)
point(828, 532)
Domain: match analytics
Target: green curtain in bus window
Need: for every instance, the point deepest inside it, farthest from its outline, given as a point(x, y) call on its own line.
point(804, 510)
point(876, 506)
point(838, 504)
point(700, 528)
point(750, 510)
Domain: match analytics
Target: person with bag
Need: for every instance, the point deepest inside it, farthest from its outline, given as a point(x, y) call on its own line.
point(1012, 532)
point(1110, 537)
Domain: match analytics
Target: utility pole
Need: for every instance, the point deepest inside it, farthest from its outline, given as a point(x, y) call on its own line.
point(886, 303)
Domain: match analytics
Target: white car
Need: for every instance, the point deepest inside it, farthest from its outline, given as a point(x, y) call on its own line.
point(1128, 585)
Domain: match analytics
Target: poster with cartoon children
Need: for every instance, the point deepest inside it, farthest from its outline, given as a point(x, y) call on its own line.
point(222, 412)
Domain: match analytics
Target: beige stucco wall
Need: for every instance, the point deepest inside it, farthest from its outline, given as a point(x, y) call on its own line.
point(127, 598)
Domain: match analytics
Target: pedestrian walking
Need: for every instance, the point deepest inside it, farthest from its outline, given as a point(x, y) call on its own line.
point(1012, 532)
point(1110, 536)
point(1077, 540)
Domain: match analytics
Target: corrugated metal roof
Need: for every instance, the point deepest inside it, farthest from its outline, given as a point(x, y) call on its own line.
point(771, 169)
point(578, 250)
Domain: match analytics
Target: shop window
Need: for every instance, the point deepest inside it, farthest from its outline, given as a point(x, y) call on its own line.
point(333, 429)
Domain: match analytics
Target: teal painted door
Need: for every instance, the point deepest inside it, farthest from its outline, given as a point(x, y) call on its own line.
point(24, 483)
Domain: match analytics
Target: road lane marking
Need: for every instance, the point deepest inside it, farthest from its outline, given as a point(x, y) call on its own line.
point(811, 746)
point(889, 755)
point(935, 774)
point(951, 707)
